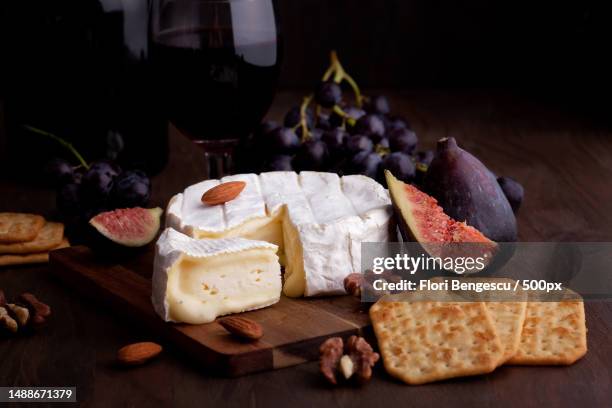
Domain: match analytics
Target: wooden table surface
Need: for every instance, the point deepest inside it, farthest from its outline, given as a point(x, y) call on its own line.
point(565, 165)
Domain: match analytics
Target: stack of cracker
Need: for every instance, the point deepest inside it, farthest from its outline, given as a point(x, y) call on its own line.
point(423, 341)
point(28, 238)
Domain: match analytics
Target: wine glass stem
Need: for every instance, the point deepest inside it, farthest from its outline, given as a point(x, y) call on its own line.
point(217, 164)
point(218, 156)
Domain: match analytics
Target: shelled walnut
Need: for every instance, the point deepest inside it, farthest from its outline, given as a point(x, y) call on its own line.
point(354, 359)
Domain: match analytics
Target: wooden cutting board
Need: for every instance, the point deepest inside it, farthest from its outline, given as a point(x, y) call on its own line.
point(293, 328)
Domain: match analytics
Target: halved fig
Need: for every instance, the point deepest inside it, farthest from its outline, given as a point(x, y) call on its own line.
point(130, 227)
point(421, 219)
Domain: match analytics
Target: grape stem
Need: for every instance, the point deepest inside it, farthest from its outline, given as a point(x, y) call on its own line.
point(351, 121)
point(381, 150)
point(328, 73)
point(341, 74)
point(61, 141)
point(422, 167)
point(303, 123)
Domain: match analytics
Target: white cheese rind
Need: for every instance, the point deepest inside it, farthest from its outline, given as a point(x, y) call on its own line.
point(319, 221)
point(194, 281)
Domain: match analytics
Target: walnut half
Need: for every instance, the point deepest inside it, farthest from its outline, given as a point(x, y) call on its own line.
point(363, 357)
point(330, 354)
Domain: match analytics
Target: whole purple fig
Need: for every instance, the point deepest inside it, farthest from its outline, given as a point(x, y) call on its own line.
point(468, 191)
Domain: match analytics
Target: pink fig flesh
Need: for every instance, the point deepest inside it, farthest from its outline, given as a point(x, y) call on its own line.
point(131, 227)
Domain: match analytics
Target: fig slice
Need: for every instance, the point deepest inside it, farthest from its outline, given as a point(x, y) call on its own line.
point(421, 219)
point(130, 227)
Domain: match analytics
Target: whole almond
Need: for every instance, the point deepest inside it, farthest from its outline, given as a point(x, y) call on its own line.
point(223, 192)
point(242, 327)
point(138, 353)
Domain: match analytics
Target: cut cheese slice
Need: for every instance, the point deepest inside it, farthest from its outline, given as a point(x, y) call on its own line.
point(194, 281)
point(318, 221)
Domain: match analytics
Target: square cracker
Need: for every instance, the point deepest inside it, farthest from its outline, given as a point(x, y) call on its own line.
point(24, 259)
point(49, 237)
point(507, 315)
point(19, 227)
point(508, 318)
point(554, 333)
point(424, 341)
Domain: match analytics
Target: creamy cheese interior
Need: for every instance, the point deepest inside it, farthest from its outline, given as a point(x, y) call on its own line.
point(200, 289)
point(280, 231)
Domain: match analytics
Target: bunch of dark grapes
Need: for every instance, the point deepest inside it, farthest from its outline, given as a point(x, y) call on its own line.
point(331, 132)
point(86, 190)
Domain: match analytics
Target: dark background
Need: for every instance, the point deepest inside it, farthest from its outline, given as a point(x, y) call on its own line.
point(556, 54)
point(539, 46)
point(547, 49)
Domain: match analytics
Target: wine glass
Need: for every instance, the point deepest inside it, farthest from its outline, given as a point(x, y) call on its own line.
point(216, 64)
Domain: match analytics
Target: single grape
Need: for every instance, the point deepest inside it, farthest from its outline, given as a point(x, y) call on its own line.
point(280, 162)
point(372, 126)
point(58, 172)
point(366, 163)
point(312, 155)
point(292, 118)
point(384, 143)
point(403, 140)
point(358, 143)
point(98, 180)
point(131, 189)
point(68, 199)
point(424, 157)
point(401, 165)
point(336, 120)
point(395, 122)
point(284, 140)
point(335, 139)
point(378, 104)
point(513, 191)
point(328, 94)
point(77, 175)
point(323, 121)
point(106, 166)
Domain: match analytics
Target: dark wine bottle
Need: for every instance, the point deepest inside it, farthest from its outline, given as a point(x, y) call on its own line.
point(80, 69)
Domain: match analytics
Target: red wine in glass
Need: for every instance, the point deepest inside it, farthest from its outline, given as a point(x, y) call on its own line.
point(216, 64)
